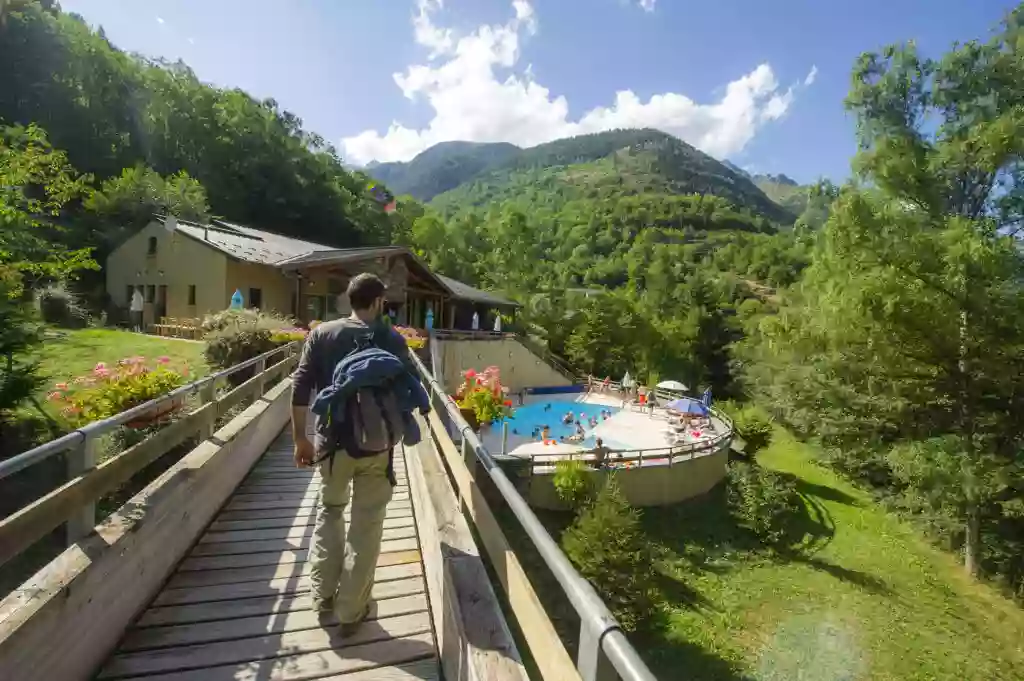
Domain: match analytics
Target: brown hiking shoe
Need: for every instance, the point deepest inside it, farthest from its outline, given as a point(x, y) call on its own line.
point(349, 628)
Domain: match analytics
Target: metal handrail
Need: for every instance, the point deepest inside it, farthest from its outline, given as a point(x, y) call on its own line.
point(599, 631)
point(76, 438)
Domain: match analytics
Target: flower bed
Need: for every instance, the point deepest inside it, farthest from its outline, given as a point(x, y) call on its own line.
point(110, 390)
point(481, 398)
point(414, 338)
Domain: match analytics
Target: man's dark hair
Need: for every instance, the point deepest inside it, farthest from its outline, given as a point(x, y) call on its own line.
point(364, 289)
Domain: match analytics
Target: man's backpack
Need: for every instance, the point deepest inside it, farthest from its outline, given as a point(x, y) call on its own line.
point(369, 422)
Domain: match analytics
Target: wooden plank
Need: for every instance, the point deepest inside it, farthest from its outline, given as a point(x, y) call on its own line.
point(377, 660)
point(262, 605)
point(266, 573)
point(293, 512)
point(244, 627)
point(274, 558)
point(292, 520)
point(23, 528)
point(288, 532)
point(287, 585)
point(293, 495)
point(473, 638)
point(545, 646)
point(288, 503)
point(287, 543)
point(247, 650)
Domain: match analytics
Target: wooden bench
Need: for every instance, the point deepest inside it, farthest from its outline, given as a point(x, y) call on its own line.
point(177, 328)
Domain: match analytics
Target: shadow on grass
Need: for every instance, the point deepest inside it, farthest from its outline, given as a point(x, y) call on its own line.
point(674, 658)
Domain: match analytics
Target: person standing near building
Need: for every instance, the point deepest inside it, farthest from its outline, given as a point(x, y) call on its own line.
point(342, 583)
point(136, 307)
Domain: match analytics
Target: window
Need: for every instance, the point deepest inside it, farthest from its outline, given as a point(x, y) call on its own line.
point(150, 293)
point(191, 294)
point(255, 298)
point(151, 250)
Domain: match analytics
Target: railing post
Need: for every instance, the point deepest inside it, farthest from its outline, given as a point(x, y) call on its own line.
point(591, 662)
point(261, 366)
point(208, 395)
point(469, 457)
point(80, 460)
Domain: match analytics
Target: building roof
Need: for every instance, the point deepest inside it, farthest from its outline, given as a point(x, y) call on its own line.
point(467, 292)
point(268, 248)
point(244, 243)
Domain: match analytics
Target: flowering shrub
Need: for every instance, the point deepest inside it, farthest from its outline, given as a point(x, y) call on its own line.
point(233, 336)
point(109, 390)
point(285, 336)
point(414, 338)
point(484, 394)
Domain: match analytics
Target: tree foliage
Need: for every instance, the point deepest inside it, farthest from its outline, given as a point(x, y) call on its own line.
point(903, 348)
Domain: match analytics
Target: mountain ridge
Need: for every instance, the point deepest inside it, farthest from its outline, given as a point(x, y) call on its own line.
point(670, 165)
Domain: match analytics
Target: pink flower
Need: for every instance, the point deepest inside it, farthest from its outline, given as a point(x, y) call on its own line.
point(53, 397)
point(61, 386)
point(100, 366)
point(163, 360)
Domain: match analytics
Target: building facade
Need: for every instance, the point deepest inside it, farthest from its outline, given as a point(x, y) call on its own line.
point(186, 271)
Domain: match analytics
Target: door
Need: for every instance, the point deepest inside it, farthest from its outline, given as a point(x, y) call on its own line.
point(161, 302)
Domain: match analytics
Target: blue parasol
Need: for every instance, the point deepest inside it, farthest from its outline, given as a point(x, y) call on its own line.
point(687, 405)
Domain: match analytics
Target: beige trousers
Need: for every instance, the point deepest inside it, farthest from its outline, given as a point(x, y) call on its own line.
point(340, 571)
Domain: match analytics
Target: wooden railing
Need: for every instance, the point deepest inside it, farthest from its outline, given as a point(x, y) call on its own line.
point(604, 652)
point(74, 502)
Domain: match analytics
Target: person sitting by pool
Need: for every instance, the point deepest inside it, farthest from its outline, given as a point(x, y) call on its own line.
point(600, 454)
point(578, 437)
point(546, 432)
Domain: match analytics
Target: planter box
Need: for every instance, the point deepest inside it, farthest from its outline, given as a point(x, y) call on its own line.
point(157, 414)
point(470, 417)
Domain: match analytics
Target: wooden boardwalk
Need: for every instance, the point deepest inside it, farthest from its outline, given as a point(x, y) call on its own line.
point(238, 606)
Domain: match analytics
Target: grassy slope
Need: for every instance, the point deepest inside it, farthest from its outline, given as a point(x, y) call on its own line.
point(77, 352)
point(866, 599)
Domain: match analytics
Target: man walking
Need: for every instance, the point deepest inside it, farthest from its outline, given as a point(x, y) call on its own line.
point(342, 577)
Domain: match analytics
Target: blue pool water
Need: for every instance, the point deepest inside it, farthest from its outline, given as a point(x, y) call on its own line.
point(532, 417)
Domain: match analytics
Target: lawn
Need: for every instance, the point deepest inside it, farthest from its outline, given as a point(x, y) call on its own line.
point(77, 352)
point(865, 597)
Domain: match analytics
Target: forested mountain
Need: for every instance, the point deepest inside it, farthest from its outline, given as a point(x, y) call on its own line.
point(110, 111)
point(442, 167)
point(784, 191)
point(650, 159)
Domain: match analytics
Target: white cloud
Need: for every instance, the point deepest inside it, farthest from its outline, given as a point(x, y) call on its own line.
point(811, 76)
point(647, 5)
point(472, 102)
point(159, 20)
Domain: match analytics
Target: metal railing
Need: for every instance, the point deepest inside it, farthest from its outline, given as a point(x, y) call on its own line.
point(603, 646)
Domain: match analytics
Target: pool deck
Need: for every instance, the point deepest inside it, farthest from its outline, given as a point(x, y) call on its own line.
point(628, 427)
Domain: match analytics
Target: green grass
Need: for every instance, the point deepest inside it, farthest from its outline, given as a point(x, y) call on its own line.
point(863, 597)
point(76, 352)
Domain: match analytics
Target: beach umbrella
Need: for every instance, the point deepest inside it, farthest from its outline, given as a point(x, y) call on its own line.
point(627, 381)
point(687, 405)
point(672, 385)
point(497, 323)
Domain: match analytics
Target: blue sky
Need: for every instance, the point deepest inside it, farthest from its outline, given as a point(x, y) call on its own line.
point(760, 83)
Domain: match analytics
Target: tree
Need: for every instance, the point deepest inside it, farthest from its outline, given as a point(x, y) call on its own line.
point(905, 342)
point(126, 203)
point(36, 183)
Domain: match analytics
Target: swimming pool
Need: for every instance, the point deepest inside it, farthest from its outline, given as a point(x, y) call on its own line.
point(527, 419)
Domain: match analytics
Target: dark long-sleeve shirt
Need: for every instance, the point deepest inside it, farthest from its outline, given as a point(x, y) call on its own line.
point(331, 342)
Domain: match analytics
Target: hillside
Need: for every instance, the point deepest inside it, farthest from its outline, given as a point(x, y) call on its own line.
point(442, 167)
point(784, 191)
point(468, 174)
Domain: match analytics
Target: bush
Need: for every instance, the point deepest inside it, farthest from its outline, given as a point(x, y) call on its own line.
point(751, 424)
point(763, 501)
point(607, 546)
point(59, 306)
point(233, 336)
point(110, 390)
point(572, 483)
